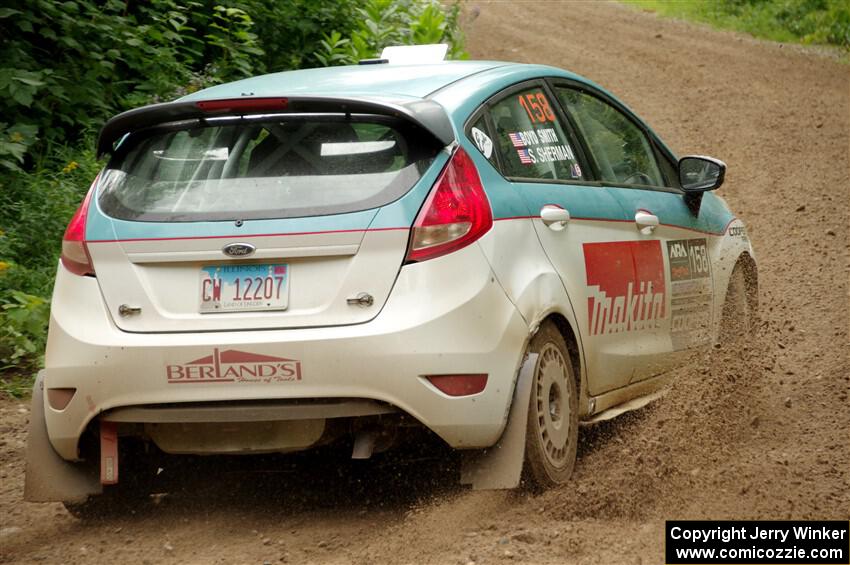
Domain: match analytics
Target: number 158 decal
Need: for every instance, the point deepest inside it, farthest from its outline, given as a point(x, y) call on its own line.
point(688, 259)
point(537, 107)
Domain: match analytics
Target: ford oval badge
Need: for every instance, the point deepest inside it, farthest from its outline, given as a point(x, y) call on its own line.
point(238, 249)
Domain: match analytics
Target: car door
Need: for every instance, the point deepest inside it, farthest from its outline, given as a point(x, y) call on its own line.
point(627, 160)
point(582, 228)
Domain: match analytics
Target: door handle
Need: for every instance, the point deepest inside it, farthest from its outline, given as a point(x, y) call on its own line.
point(554, 217)
point(646, 221)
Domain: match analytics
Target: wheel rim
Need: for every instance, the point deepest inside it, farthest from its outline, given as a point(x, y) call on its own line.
point(553, 404)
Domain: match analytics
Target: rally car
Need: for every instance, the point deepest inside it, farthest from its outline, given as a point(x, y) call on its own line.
point(492, 251)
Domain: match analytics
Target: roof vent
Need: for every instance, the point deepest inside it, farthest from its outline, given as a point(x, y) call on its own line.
point(415, 54)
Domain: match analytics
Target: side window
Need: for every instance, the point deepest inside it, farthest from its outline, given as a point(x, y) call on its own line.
point(479, 133)
point(621, 150)
point(530, 139)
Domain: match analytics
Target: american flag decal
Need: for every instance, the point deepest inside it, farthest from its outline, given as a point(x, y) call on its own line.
point(523, 156)
point(516, 140)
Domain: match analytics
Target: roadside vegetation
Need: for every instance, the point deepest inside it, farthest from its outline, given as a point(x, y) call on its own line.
point(815, 22)
point(66, 67)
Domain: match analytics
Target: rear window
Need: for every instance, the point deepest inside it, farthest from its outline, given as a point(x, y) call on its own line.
point(281, 167)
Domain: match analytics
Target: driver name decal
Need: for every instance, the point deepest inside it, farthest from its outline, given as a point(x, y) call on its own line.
point(541, 146)
point(626, 286)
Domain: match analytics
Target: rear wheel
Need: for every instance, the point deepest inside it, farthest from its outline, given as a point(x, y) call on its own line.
point(552, 433)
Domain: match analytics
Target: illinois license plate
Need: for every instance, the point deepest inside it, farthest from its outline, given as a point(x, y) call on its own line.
point(240, 288)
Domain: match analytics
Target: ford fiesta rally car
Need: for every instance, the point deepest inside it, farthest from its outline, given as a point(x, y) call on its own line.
point(494, 251)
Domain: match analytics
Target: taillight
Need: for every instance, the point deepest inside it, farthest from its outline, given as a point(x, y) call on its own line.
point(75, 254)
point(455, 214)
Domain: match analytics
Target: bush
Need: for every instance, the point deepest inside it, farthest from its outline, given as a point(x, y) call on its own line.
point(393, 22)
point(23, 318)
point(67, 66)
point(34, 210)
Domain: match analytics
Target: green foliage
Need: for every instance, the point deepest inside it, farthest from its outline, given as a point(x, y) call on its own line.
point(393, 22)
point(333, 50)
point(34, 210)
point(66, 67)
point(229, 34)
point(15, 140)
point(16, 385)
point(824, 22)
point(23, 318)
point(290, 30)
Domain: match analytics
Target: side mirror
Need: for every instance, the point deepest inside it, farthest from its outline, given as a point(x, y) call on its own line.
point(699, 174)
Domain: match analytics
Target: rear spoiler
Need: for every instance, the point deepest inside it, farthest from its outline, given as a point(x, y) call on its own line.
point(426, 114)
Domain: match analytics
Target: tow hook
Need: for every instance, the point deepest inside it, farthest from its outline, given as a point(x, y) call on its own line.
point(362, 299)
point(125, 310)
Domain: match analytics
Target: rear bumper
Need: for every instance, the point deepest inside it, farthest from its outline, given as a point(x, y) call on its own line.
point(447, 315)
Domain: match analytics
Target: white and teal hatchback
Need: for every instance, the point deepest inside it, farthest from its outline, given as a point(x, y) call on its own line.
point(489, 250)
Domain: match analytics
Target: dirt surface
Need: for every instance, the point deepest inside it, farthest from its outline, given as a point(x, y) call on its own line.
point(754, 432)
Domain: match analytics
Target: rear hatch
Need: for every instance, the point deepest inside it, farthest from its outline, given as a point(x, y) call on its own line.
point(240, 222)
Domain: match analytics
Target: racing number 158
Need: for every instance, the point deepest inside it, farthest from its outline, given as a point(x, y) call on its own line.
point(537, 107)
point(698, 258)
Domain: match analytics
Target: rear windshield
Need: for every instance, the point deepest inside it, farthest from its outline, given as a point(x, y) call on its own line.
point(272, 167)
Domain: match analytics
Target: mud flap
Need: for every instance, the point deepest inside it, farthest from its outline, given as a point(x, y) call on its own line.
point(500, 466)
point(49, 478)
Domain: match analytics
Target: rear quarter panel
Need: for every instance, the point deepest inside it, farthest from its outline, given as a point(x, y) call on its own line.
point(516, 257)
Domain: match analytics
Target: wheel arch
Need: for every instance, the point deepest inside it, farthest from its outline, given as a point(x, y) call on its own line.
point(570, 335)
point(733, 250)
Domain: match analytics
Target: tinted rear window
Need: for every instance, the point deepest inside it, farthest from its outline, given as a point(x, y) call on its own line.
point(281, 167)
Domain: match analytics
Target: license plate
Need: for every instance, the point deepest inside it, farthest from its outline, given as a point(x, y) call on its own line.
point(241, 288)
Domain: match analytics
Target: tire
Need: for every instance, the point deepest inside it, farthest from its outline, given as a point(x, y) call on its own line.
point(739, 309)
point(552, 432)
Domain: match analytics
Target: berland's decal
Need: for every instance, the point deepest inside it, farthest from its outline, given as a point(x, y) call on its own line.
point(235, 366)
point(690, 292)
point(483, 142)
point(626, 286)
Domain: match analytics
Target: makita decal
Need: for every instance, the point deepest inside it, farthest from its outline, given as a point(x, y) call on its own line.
point(626, 286)
point(235, 366)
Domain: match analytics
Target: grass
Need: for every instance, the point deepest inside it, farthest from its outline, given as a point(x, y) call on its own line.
point(16, 386)
point(813, 22)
